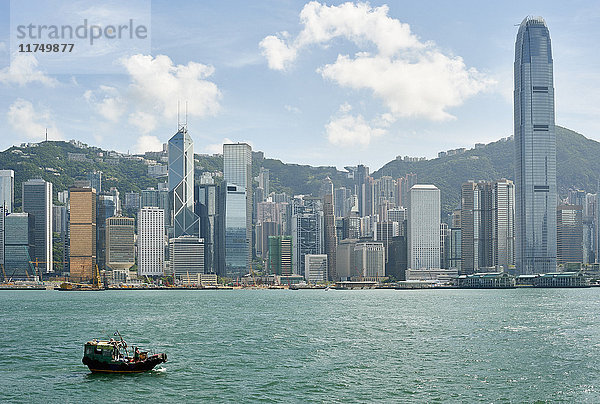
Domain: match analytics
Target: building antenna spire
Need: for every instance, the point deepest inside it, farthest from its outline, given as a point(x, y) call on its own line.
point(177, 115)
point(186, 114)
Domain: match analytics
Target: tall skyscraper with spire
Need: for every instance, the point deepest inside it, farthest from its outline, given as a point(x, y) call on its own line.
point(535, 147)
point(181, 184)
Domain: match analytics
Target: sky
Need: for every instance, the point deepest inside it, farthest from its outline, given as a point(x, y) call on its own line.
point(320, 83)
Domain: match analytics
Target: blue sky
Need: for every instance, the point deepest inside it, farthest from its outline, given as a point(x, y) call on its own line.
point(333, 83)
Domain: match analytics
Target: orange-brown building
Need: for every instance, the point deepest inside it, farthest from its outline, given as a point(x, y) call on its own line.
point(82, 233)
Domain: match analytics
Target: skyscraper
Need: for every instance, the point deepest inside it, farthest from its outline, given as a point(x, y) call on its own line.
point(151, 241)
point(424, 216)
point(120, 244)
point(237, 171)
point(330, 238)
point(207, 210)
point(82, 228)
point(37, 201)
point(7, 189)
point(181, 184)
point(569, 234)
point(535, 146)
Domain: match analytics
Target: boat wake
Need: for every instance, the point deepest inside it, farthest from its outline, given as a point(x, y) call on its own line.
point(159, 370)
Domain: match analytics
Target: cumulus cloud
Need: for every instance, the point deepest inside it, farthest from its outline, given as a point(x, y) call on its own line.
point(346, 129)
point(156, 85)
point(411, 77)
point(148, 143)
point(23, 70)
point(25, 119)
point(217, 148)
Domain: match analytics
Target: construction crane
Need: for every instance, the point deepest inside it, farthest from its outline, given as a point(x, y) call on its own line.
point(96, 278)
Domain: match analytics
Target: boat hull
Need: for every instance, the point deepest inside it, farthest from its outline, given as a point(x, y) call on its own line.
point(96, 366)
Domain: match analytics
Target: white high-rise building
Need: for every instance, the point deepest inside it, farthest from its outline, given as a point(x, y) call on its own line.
point(7, 189)
point(423, 228)
point(315, 267)
point(151, 241)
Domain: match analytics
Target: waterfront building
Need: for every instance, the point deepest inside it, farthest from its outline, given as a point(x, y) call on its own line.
point(487, 225)
point(396, 264)
point(207, 209)
point(187, 256)
point(82, 231)
point(236, 241)
point(307, 236)
point(280, 255)
point(486, 280)
point(344, 259)
point(3, 212)
point(7, 189)
point(37, 201)
point(330, 238)
point(181, 184)
point(569, 221)
point(535, 144)
point(120, 242)
point(369, 260)
point(18, 231)
point(237, 172)
point(561, 280)
point(151, 241)
point(423, 229)
point(316, 268)
point(432, 275)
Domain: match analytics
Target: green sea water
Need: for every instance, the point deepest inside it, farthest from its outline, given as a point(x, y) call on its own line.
point(522, 345)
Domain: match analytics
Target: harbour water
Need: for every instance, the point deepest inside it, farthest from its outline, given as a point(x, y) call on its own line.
point(521, 345)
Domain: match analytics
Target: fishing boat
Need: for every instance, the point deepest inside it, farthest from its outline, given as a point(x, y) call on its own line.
point(114, 356)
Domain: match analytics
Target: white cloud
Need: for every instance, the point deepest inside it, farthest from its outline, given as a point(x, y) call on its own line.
point(279, 55)
point(2, 47)
point(23, 70)
point(143, 121)
point(217, 148)
point(292, 109)
point(25, 119)
point(411, 77)
point(148, 143)
point(348, 130)
point(156, 86)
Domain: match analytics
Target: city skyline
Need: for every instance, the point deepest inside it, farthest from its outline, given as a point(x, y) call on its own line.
point(317, 109)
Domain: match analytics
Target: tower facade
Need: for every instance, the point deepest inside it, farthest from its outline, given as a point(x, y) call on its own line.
point(237, 173)
point(37, 201)
point(181, 184)
point(535, 147)
point(424, 217)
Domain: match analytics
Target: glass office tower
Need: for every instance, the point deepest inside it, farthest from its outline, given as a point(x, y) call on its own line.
point(181, 184)
point(535, 146)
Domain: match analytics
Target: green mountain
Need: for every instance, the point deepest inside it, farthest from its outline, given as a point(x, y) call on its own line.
point(62, 163)
point(577, 166)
